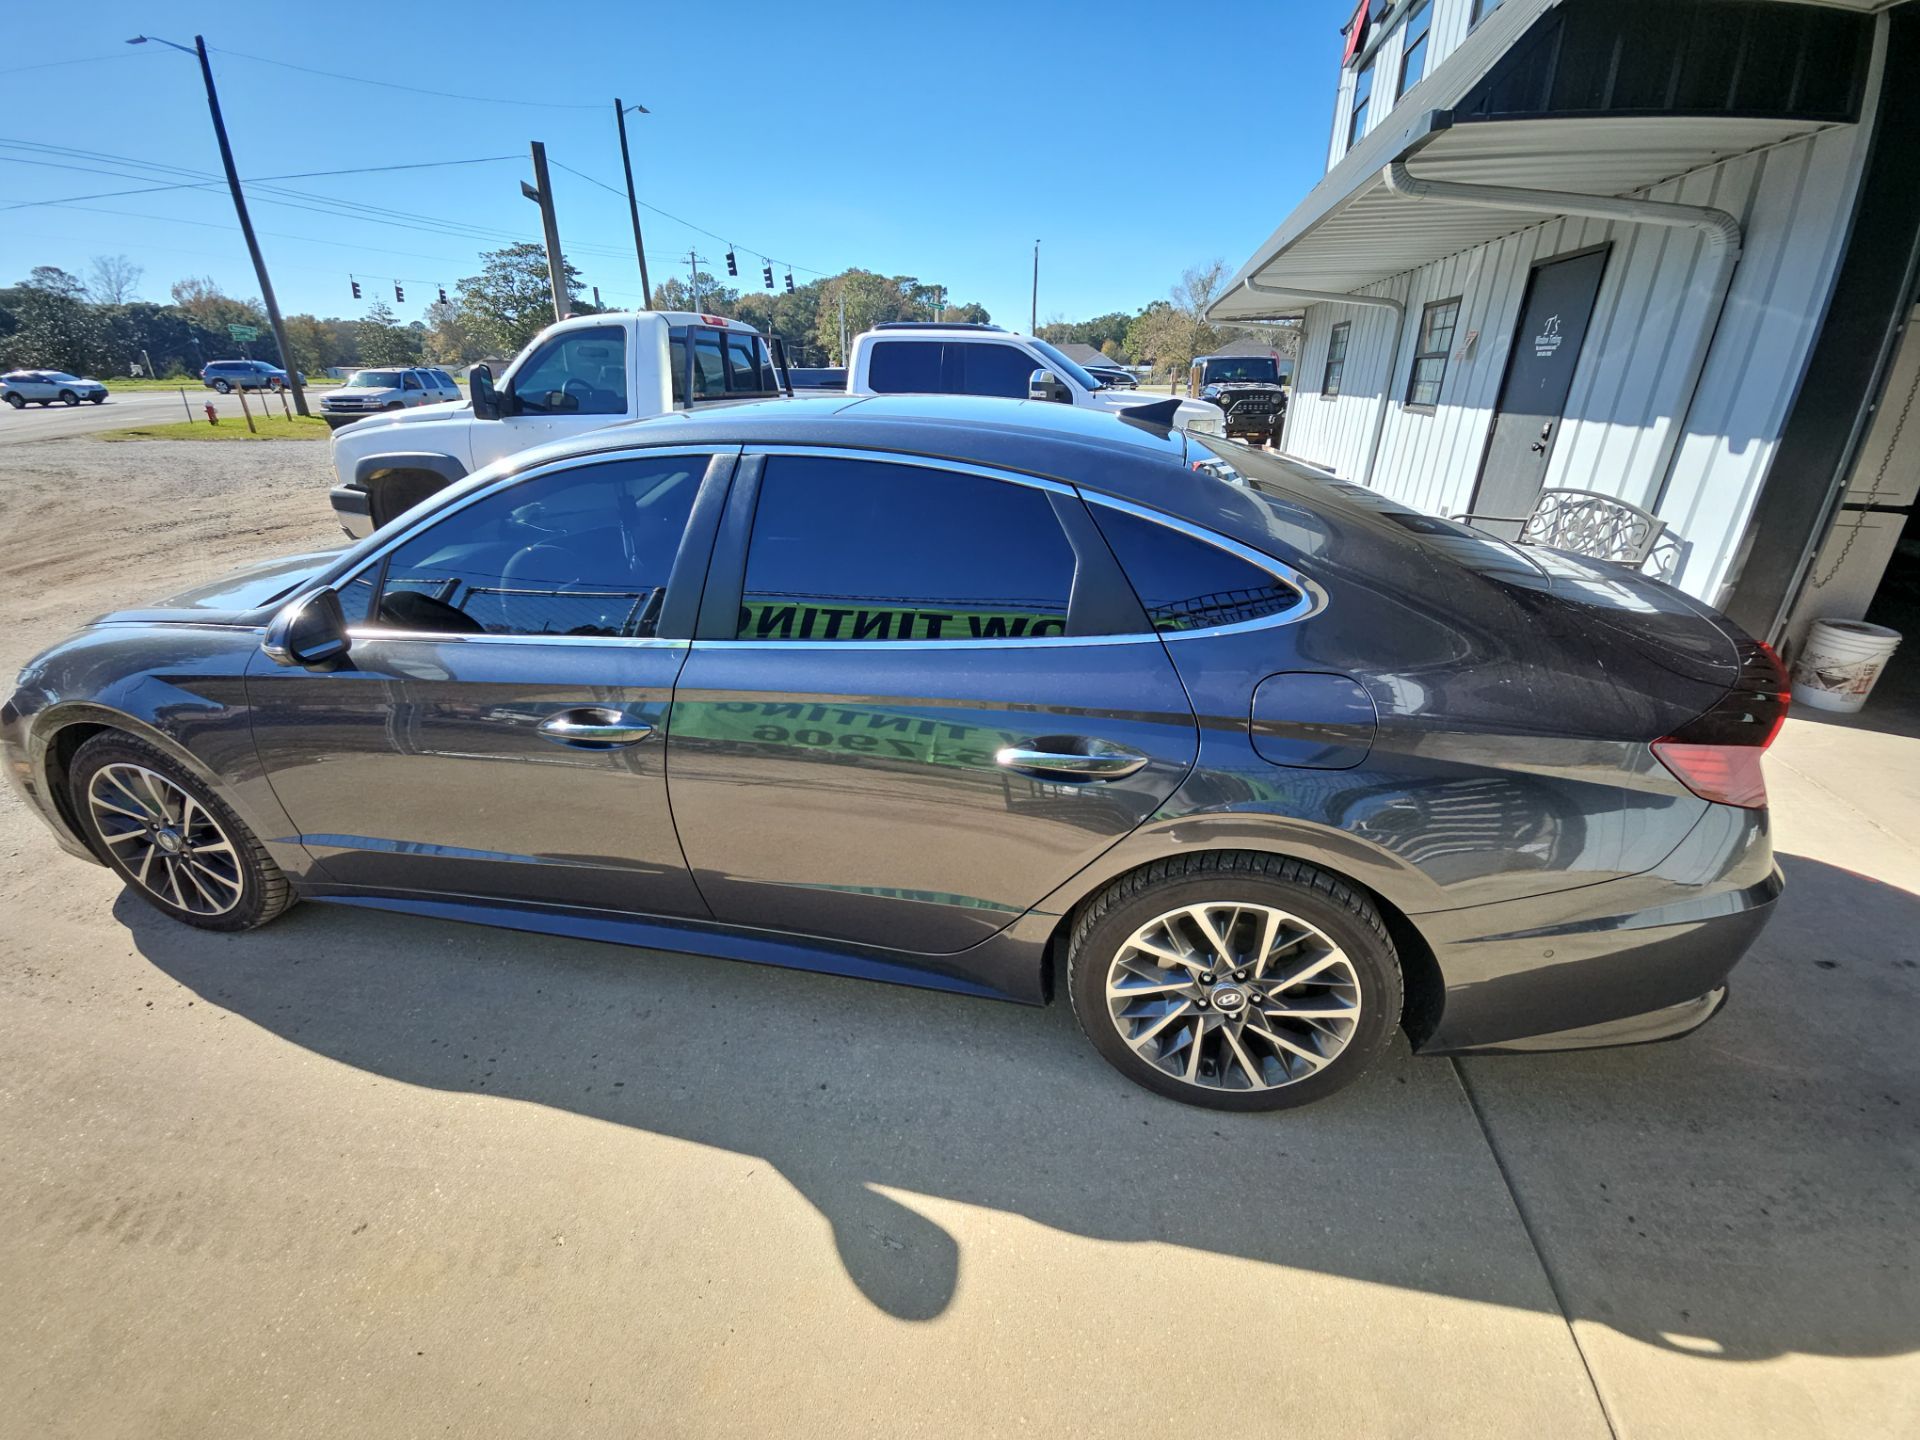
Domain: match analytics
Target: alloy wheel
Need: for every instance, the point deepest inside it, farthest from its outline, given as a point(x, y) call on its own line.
point(165, 839)
point(1233, 996)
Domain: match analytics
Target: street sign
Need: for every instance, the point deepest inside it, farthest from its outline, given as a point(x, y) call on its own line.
point(244, 332)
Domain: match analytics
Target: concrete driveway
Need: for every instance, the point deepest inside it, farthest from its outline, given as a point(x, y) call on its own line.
point(364, 1174)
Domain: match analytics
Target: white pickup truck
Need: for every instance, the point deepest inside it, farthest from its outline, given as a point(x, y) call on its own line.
point(578, 375)
point(920, 357)
point(597, 370)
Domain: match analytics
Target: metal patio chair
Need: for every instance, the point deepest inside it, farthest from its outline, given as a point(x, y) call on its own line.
point(1589, 523)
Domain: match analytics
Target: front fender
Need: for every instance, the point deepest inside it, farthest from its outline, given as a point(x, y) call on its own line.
point(179, 688)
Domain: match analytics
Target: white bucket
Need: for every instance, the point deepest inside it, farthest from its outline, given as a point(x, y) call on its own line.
point(1839, 662)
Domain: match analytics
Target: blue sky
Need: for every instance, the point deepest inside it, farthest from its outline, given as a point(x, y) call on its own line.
point(1132, 139)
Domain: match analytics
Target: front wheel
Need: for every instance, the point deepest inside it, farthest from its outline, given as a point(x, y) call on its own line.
point(67, 397)
point(98, 399)
point(1235, 981)
point(173, 841)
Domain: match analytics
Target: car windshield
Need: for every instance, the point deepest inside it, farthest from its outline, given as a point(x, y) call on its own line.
point(1243, 367)
point(375, 380)
point(1060, 362)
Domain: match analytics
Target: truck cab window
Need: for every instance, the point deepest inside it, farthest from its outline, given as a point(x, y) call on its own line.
point(583, 372)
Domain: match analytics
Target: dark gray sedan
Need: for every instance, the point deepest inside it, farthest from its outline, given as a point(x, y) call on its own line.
point(981, 695)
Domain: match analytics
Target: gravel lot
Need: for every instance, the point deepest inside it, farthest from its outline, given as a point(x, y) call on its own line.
point(367, 1174)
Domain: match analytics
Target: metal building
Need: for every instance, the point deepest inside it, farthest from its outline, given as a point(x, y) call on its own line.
point(1661, 249)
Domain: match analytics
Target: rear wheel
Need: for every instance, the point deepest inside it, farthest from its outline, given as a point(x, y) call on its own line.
point(223, 387)
point(173, 841)
point(19, 402)
point(1235, 981)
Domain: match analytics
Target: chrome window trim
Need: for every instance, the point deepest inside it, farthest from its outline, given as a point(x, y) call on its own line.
point(920, 462)
point(369, 635)
point(1313, 599)
point(506, 482)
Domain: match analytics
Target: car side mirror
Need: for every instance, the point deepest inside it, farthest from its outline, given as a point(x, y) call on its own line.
point(1045, 385)
point(486, 400)
point(311, 633)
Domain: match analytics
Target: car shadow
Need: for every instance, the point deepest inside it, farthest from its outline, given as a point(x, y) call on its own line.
point(864, 1096)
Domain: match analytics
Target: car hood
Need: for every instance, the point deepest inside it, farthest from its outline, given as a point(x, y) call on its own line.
point(232, 599)
point(1191, 411)
point(1226, 387)
point(364, 392)
point(418, 415)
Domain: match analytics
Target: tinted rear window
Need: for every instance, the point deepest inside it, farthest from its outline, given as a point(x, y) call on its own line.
point(1187, 583)
point(905, 367)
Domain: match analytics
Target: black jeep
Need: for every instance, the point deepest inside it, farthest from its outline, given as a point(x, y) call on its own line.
point(1248, 388)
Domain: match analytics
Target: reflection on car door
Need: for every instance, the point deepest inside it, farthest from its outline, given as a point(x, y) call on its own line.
point(859, 739)
point(496, 728)
point(576, 382)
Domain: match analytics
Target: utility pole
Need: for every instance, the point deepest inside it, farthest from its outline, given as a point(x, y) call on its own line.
point(843, 325)
point(633, 204)
point(693, 278)
point(199, 51)
point(541, 193)
point(1033, 315)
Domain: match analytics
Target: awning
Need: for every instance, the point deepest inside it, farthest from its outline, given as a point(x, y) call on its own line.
point(1351, 231)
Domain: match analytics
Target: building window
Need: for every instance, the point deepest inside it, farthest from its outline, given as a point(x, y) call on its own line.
point(1413, 44)
point(1430, 359)
point(1482, 9)
point(1336, 359)
point(1362, 94)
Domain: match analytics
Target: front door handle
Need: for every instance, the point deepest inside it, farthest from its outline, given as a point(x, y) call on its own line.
point(1069, 765)
point(597, 727)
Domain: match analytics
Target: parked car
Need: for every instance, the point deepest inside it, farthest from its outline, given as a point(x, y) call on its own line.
point(963, 693)
point(1250, 388)
point(227, 376)
point(17, 387)
point(576, 376)
point(369, 391)
point(910, 357)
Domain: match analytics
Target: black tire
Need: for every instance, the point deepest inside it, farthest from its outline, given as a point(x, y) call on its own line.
point(265, 892)
point(67, 397)
point(1330, 905)
point(19, 402)
point(393, 405)
point(223, 387)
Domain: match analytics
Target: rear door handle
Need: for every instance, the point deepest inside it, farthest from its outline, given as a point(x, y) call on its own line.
point(595, 727)
point(1070, 765)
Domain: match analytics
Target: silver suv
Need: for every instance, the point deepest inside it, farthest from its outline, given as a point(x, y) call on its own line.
point(369, 391)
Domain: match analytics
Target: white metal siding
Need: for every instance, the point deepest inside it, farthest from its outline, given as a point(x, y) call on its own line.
point(1793, 202)
point(1451, 22)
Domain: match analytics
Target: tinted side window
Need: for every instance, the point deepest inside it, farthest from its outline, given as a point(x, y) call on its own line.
point(995, 370)
point(859, 550)
point(583, 372)
point(579, 552)
point(1188, 584)
point(906, 367)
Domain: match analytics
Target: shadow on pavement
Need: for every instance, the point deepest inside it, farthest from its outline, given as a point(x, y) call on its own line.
point(1769, 1160)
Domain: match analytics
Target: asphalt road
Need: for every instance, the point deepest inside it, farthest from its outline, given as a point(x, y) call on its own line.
point(368, 1174)
point(116, 412)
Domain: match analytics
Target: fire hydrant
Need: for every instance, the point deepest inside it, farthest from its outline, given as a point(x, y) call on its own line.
point(213, 417)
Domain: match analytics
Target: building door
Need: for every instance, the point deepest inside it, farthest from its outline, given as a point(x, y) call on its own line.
point(1533, 397)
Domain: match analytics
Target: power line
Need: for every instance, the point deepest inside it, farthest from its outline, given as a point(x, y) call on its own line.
point(668, 214)
point(395, 85)
point(214, 181)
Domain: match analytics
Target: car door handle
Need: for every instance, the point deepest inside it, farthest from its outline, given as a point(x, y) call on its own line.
point(596, 727)
point(1069, 764)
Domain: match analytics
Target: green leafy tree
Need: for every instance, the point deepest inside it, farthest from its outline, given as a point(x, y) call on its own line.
point(1169, 333)
point(510, 300)
point(55, 281)
point(52, 328)
point(384, 343)
point(448, 341)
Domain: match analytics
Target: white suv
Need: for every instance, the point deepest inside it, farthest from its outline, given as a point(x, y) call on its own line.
point(370, 391)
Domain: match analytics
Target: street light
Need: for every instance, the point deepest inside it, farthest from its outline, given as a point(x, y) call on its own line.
point(199, 52)
point(620, 113)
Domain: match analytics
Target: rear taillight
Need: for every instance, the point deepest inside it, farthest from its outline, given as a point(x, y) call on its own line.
point(1717, 755)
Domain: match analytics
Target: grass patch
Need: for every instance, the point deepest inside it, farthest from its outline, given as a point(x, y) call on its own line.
point(232, 426)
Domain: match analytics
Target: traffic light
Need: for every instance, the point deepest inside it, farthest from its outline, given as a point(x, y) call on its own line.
point(789, 282)
point(443, 294)
point(356, 288)
point(399, 295)
point(766, 273)
point(733, 268)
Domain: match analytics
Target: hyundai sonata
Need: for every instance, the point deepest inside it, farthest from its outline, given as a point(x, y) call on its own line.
point(968, 694)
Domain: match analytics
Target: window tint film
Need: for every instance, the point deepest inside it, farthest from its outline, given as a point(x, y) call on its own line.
point(905, 367)
point(583, 372)
point(847, 550)
point(994, 370)
point(578, 552)
point(1186, 583)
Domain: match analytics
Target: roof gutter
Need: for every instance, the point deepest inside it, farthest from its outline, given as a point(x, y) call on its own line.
point(1720, 229)
point(1370, 302)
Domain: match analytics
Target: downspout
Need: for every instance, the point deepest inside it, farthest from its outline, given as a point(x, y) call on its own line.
point(1722, 232)
point(1374, 302)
